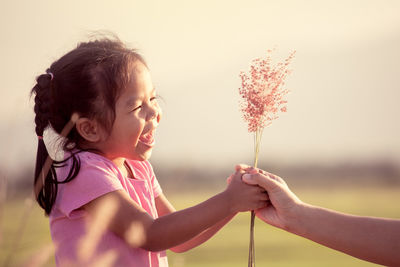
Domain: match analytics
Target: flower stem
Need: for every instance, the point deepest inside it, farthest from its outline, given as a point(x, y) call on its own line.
point(251, 261)
point(252, 253)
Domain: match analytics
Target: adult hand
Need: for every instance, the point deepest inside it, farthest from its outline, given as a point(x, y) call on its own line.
point(283, 205)
point(369, 238)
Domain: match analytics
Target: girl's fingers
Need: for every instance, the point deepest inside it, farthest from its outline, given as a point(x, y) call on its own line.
point(262, 196)
point(236, 176)
point(242, 167)
point(265, 196)
point(251, 170)
point(262, 204)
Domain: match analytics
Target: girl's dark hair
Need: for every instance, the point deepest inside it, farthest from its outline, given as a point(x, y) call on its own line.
point(86, 81)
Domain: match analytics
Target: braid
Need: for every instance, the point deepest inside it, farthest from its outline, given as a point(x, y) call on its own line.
point(45, 177)
point(45, 180)
point(42, 90)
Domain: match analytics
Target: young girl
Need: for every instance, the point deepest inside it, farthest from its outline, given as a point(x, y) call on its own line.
point(103, 200)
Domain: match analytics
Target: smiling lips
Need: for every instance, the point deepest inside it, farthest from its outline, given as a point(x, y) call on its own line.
point(147, 139)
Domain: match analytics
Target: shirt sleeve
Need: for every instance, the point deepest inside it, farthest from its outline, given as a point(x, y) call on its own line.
point(94, 179)
point(153, 180)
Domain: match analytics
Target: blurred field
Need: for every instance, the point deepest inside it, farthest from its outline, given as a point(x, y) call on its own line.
point(229, 247)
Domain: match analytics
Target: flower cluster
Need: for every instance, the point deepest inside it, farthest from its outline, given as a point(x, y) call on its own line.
point(263, 91)
point(262, 95)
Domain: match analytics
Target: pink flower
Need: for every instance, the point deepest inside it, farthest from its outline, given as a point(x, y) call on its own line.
point(262, 95)
point(263, 91)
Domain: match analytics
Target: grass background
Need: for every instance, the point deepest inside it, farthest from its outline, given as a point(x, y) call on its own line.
point(229, 247)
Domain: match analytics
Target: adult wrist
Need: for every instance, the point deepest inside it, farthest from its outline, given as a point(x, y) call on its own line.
point(296, 221)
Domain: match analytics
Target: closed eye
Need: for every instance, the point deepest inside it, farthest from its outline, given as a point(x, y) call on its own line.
point(151, 99)
point(137, 108)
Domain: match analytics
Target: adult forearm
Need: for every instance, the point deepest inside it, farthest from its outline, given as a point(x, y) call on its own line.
point(175, 228)
point(369, 238)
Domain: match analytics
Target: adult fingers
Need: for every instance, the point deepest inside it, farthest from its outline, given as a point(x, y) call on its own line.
point(272, 176)
point(262, 180)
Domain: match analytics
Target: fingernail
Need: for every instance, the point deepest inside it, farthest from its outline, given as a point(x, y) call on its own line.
point(253, 171)
point(246, 177)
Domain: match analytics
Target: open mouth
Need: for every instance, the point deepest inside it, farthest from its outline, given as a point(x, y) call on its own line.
point(147, 138)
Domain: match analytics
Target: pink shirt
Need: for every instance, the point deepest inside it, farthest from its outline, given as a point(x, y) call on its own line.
point(69, 224)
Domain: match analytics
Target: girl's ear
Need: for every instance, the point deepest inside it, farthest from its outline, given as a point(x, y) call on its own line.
point(88, 129)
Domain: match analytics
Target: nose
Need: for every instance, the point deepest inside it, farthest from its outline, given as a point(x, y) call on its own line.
point(155, 114)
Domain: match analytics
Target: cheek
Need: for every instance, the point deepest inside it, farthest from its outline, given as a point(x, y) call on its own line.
point(137, 127)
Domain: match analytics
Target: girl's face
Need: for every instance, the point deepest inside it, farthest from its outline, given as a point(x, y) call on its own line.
point(137, 116)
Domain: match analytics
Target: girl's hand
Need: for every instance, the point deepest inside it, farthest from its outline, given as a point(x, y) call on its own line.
point(283, 203)
point(242, 196)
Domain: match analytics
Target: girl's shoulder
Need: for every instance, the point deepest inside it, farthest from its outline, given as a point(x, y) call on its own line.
point(86, 156)
point(87, 159)
point(92, 176)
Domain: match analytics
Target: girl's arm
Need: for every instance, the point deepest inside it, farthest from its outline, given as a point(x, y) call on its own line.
point(372, 239)
point(164, 207)
point(133, 224)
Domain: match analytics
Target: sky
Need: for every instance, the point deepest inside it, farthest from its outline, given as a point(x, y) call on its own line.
point(344, 86)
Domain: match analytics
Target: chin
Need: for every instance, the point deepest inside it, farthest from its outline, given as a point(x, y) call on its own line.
point(142, 156)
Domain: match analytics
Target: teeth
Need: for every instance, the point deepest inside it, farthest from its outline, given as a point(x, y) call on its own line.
point(148, 135)
point(147, 138)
